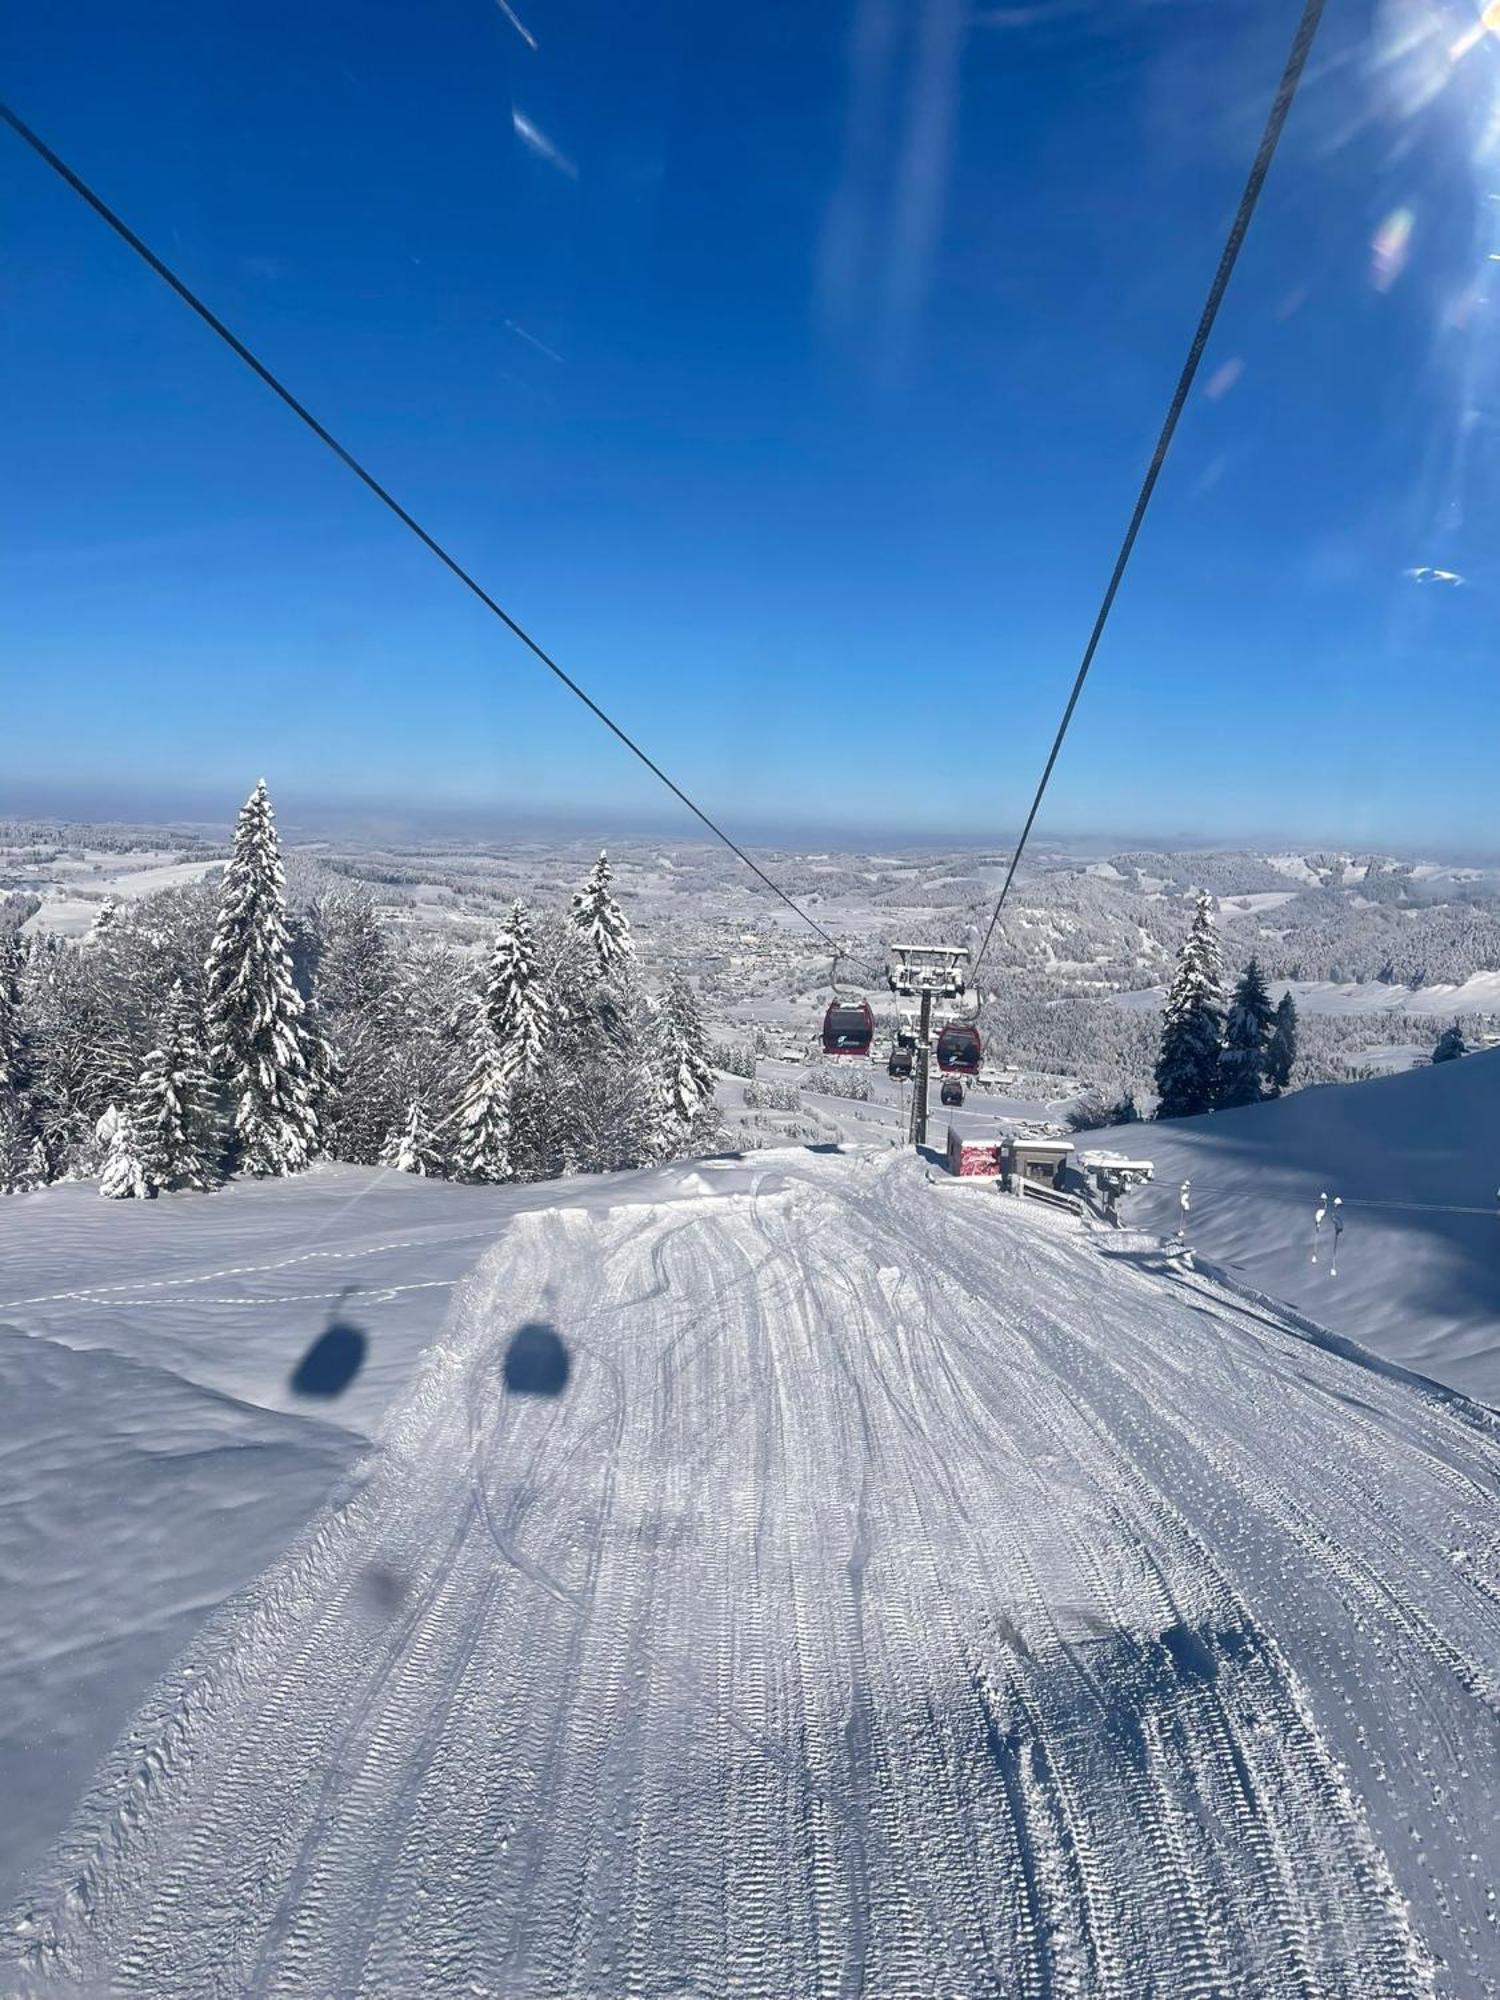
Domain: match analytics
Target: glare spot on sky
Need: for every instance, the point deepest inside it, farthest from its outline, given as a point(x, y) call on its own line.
point(1224, 378)
point(1390, 248)
point(519, 25)
point(532, 136)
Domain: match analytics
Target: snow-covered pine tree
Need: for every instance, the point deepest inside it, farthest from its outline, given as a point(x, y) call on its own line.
point(596, 913)
point(174, 1109)
point(124, 1177)
point(515, 999)
point(481, 1144)
point(685, 1075)
point(1187, 1069)
point(1281, 1047)
point(361, 991)
point(1450, 1044)
point(257, 1039)
point(325, 1078)
point(411, 1149)
point(1247, 1028)
point(17, 1065)
point(18, 1122)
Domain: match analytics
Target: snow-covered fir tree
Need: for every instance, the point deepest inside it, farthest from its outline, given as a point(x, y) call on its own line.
point(1281, 1046)
point(325, 1078)
point(481, 1129)
point(685, 1077)
point(15, 1039)
point(1247, 1030)
point(257, 1038)
point(371, 1032)
point(174, 1108)
point(1187, 1069)
point(124, 1176)
point(515, 999)
point(411, 1150)
point(1450, 1044)
point(596, 913)
point(18, 1124)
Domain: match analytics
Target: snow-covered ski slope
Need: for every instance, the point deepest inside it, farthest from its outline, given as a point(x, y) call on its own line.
point(906, 1594)
point(1416, 1159)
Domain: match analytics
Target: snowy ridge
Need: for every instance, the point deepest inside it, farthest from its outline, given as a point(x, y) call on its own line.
point(902, 1597)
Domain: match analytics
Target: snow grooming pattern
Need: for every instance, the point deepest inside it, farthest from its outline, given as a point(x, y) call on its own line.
point(900, 1599)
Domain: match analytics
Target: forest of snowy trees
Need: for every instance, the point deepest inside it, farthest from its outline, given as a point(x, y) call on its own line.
point(215, 1029)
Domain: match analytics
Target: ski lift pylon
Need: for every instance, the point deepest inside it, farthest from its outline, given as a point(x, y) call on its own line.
point(942, 969)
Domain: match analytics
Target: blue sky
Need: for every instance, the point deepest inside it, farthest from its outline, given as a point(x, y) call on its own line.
point(790, 371)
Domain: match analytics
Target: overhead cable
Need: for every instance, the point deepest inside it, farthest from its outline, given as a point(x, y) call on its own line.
point(1286, 91)
point(388, 500)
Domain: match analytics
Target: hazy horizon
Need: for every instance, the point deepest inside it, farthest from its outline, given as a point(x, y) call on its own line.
point(303, 817)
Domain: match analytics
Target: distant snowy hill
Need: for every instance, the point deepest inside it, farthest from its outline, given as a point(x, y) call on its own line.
point(1416, 1159)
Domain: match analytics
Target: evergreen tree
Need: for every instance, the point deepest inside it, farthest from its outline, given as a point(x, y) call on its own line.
point(257, 1037)
point(17, 1057)
point(685, 1077)
point(606, 926)
point(371, 1025)
point(1243, 1059)
point(411, 1150)
point(124, 1177)
point(173, 1112)
point(1450, 1045)
point(1281, 1048)
point(1187, 1069)
point(481, 1147)
point(18, 1122)
point(325, 1079)
point(515, 999)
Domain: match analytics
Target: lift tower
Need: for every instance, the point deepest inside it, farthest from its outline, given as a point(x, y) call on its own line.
point(928, 972)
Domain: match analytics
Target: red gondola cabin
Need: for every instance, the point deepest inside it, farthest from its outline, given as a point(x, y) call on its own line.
point(848, 1029)
point(958, 1049)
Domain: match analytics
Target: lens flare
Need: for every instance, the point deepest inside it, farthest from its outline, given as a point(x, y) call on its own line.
point(1224, 378)
point(1391, 248)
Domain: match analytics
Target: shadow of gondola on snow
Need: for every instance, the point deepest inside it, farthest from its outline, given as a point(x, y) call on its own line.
point(536, 1361)
point(333, 1360)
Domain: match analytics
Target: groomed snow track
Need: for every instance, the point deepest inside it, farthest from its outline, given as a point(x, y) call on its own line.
point(903, 1597)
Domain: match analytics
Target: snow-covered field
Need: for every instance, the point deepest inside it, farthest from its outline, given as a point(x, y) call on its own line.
point(905, 1592)
point(73, 890)
point(1477, 995)
point(155, 1458)
point(1413, 1158)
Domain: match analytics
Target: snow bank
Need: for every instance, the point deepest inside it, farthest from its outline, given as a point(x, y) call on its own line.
point(1416, 1160)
